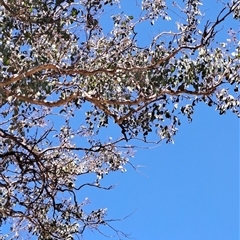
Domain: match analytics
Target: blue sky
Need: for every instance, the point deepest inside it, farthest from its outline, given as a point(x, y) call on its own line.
point(189, 190)
point(185, 191)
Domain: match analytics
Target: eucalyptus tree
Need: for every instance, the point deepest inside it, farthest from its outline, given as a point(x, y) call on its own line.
point(67, 59)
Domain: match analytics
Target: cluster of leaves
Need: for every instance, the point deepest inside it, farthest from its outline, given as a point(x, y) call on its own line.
point(57, 61)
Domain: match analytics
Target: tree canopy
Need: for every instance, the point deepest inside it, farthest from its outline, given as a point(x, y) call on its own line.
point(82, 59)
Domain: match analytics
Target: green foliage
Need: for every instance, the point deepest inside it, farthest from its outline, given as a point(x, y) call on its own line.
point(59, 63)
